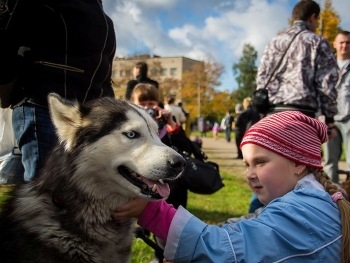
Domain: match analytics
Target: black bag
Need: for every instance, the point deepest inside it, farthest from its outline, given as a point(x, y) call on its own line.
point(260, 101)
point(202, 177)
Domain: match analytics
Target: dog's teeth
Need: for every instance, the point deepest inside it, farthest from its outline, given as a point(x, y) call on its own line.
point(154, 188)
point(161, 181)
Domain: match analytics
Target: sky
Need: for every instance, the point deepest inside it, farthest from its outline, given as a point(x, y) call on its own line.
point(206, 30)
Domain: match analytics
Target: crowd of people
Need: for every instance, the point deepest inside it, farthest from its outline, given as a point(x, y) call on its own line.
point(305, 214)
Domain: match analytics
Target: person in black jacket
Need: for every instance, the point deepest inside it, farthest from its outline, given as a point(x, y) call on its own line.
point(244, 121)
point(140, 72)
point(61, 46)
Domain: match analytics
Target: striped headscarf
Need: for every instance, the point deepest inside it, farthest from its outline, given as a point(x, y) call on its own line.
point(290, 134)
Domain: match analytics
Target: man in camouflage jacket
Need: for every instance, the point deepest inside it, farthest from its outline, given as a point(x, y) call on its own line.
point(306, 78)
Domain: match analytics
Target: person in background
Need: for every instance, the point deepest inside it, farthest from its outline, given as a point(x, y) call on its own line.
point(175, 110)
point(140, 73)
point(66, 47)
point(332, 149)
point(244, 121)
point(305, 79)
point(147, 96)
point(226, 123)
point(216, 130)
point(238, 109)
point(179, 104)
point(187, 125)
point(305, 219)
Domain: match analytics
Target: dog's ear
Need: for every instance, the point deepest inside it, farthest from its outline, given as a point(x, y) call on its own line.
point(66, 116)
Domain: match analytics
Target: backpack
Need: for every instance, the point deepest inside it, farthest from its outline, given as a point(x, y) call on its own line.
point(228, 121)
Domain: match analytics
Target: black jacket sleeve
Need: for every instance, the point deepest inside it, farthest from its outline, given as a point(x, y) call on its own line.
point(129, 88)
point(8, 49)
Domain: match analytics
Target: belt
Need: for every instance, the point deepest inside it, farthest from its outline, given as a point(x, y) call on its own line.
point(279, 108)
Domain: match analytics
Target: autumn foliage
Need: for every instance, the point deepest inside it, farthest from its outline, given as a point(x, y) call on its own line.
point(199, 93)
point(329, 22)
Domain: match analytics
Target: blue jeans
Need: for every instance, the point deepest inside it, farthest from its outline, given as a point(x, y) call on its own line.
point(35, 136)
point(332, 150)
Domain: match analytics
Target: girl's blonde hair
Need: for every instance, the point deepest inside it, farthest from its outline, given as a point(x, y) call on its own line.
point(344, 209)
point(144, 91)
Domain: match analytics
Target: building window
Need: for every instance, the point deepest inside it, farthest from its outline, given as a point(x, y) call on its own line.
point(173, 71)
point(154, 72)
point(163, 73)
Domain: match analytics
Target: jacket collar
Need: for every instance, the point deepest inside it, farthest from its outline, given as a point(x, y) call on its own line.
point(303, 24)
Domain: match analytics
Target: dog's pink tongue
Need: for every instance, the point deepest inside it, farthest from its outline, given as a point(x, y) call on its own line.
point(162, 189)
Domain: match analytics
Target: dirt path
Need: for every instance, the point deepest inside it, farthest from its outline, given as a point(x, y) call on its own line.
point(224, 154)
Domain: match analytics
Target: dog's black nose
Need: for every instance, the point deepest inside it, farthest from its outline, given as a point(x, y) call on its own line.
point(177, 163)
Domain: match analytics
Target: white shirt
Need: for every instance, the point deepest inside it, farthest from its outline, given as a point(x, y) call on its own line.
point(176, 112)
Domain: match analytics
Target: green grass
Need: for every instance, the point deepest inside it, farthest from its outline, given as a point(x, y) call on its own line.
point(232, 200)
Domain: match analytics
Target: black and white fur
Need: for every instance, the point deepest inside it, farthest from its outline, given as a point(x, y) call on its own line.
point(108, 149)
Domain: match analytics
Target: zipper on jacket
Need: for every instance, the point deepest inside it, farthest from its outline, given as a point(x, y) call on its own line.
point(59, 66)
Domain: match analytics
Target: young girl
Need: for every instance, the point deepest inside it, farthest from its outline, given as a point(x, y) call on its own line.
point(216, 130)
point(147, 96)
point(306, 218)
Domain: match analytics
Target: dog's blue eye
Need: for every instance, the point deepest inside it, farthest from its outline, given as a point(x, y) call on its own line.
point(131, 134)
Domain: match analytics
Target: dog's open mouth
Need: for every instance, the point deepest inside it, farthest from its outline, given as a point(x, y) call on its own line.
point(155, 189)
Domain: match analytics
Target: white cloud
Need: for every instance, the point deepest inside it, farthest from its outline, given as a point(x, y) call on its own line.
point(182, 35)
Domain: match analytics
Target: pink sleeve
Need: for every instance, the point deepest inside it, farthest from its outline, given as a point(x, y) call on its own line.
point(157, 217)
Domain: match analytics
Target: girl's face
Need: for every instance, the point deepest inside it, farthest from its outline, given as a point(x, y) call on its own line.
point(146, 103)
point(269, 175)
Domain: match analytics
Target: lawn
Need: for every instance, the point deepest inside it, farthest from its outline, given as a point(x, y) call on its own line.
point(230, 201)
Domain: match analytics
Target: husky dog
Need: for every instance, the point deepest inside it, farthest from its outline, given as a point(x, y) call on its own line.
point(109, 152)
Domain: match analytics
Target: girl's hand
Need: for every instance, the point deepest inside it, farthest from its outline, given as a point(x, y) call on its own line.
point(162, 113)
point(132, 209)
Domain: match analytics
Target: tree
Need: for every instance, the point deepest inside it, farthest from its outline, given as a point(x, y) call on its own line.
point(245, 71)
point(329, 22)
point(198, 90)
point(221, 102)
point(169, 87)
